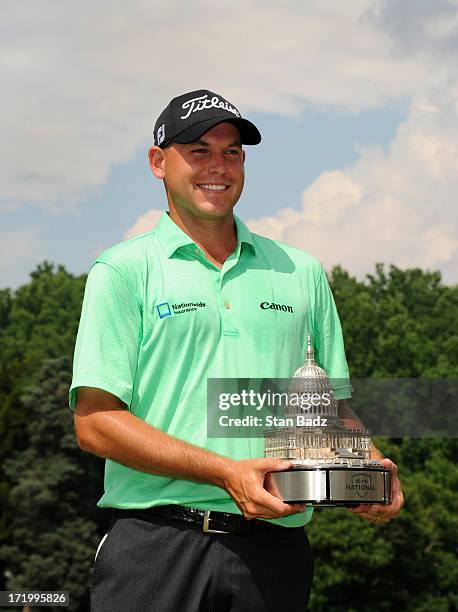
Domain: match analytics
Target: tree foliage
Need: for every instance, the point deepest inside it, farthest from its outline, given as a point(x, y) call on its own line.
point(56, 487)
point(400, 324)
point(37, 322)
point(397, 323)
point(409, 564)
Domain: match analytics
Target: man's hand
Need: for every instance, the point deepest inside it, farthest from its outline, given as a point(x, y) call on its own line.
point(378, 513)
point(253, 490)
point(104, 427)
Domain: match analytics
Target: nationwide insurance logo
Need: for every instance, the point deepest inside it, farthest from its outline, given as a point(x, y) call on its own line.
point(167, 310)
point(163, 310)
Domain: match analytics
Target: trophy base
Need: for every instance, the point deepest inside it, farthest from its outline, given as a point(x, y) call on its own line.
point(334, 485)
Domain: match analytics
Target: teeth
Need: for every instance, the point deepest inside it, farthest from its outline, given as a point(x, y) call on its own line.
point(214, 187)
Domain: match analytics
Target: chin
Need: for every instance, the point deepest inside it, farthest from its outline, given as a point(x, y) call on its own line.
point(216, 210)
point(215, 213)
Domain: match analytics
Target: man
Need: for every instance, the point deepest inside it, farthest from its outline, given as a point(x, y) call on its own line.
point(196, 526)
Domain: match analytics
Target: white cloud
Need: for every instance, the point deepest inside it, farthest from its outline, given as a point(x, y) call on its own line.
point(331, 197)
point(396, 206)
point(144, 223)
point(418, 26)
point(82, 82)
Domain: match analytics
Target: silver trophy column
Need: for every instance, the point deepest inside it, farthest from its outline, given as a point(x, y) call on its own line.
point(331, 464)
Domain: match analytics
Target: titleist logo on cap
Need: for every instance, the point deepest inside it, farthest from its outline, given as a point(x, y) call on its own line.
point(195, 105)
point(187, 117)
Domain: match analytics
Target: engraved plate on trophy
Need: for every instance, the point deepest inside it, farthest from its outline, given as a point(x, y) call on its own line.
point(331, 463)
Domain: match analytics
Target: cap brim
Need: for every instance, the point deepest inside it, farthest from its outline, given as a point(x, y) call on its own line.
point(249, 133)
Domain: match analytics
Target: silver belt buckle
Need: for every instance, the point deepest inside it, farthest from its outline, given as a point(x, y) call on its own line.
point(205, 525)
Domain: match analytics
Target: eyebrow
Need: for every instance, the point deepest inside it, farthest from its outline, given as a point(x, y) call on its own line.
point(235, 143)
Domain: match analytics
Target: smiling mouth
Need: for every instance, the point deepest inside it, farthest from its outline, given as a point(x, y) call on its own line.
point(212, 187)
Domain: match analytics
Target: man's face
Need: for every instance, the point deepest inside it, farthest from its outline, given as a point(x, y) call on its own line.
point(204, 179)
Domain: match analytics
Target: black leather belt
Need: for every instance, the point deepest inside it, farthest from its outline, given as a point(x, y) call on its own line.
point(208, 520)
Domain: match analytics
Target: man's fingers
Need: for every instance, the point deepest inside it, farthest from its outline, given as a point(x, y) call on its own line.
point(378, 513)
point(396, 489)
point(252, 488)
point(374, 517)
point(381, 513)
point(389, 465)
point(266, 505)
point(297, 508)
point(271, 486)
point(271, 507)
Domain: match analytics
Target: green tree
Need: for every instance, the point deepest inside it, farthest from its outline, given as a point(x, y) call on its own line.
point(400, 324)
point(409, 564)
point(37, 321)
point(396, 324)
point(56, 487)
point(41, 319)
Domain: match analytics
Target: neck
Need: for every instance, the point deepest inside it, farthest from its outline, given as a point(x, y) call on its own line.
point(216, 237)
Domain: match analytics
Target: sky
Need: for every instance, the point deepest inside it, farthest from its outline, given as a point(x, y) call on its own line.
point(357, 103)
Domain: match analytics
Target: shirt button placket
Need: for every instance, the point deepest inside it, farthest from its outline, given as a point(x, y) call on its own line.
point(227, 310)
point(229, 327)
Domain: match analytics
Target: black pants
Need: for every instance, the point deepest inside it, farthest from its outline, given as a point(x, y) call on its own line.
point(162, 567)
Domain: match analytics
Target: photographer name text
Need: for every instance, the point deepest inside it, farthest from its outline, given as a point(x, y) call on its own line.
point(298, 420)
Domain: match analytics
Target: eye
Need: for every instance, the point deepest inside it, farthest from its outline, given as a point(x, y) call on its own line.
point(233, 151)
point(200, 150)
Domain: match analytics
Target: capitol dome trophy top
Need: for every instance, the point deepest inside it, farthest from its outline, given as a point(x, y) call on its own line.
point(332, 463)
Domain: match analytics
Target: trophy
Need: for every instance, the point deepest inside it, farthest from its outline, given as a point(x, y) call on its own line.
point(331, 463)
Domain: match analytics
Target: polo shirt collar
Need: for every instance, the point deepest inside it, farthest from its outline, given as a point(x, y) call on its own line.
point(243, 233)
point(172, 237)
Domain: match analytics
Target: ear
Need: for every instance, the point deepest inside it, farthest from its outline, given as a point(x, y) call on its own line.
point(156, 157)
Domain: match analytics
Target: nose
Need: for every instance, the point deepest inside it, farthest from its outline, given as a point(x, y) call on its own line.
point(217, 163)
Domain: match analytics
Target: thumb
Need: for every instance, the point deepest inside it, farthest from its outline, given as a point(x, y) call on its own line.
point(276, 465)
point(389, 465)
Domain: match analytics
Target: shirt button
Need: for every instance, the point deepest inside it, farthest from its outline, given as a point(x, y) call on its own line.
point(227, 305)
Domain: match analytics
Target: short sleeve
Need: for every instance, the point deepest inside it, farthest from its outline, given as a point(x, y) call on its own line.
point(328, 339)
point(109, 333)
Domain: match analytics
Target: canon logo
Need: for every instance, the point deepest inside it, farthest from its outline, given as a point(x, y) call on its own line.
point(273, 306)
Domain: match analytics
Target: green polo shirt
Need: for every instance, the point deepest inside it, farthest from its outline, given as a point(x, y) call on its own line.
point(158, 319)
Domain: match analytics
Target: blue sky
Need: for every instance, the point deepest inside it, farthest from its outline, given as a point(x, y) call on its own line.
point(359, 119)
